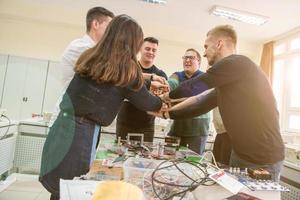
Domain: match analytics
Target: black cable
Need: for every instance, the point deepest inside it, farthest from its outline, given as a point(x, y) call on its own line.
point(9, 123)
point(190, 187)
point(209, 182)
point(174, 164)
point(185, 173)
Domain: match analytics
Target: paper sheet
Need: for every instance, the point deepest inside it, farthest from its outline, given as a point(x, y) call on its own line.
point(77, 189)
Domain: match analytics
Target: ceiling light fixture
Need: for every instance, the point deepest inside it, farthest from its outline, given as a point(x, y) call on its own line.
point(155, 1)
point(238, 15)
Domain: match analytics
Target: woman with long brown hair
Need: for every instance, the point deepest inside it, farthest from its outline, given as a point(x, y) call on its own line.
point(105, 75)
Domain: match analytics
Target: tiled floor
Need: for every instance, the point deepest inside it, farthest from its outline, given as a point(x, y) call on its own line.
point(26, 187)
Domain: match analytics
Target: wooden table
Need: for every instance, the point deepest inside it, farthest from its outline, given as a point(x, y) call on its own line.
point(97, 167)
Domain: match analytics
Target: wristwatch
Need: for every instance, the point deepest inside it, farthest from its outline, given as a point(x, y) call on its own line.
point(151, 77)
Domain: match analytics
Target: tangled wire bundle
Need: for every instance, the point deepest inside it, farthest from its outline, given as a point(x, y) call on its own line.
point(176, 178)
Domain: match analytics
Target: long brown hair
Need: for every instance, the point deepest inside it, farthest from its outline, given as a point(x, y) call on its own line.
point(113, 59)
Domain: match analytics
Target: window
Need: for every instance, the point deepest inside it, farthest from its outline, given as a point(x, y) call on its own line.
point(294, 83)
point(278, 80)
point(295, 44)
point(286, 82)
point(279, 49)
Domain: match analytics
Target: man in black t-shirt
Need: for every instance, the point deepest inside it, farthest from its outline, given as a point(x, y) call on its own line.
point(245, 99)
point(130, 119)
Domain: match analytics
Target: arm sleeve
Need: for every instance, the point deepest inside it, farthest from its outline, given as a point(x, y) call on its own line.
point(147, 83)
point(142, 99)
point(192, 86)
point(228, 70)
point(231, 69)
point(173, 81)
point(203, 104)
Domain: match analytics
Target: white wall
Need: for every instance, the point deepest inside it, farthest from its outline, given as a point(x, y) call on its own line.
point(47, 40)
point(35, 39)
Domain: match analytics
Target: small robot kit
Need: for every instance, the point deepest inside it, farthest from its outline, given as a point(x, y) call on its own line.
point(172, 141)
point(171, 145)
point(259, 174)
point(135, 144)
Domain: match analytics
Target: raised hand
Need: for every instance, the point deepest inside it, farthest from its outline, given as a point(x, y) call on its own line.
point(159, 79)
point(165, 97)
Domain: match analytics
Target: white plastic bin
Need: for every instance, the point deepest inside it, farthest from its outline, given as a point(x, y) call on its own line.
point(135, 169)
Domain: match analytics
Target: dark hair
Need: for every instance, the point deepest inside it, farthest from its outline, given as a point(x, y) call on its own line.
point(197, 53)
point(151, 40)
point(113, 59)
point(98, 13)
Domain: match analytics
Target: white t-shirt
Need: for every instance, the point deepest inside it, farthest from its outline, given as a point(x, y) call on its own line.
point(71, 55)
point(68, 61)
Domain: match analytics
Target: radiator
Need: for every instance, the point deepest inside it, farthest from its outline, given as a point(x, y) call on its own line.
point(28, 153)
point(7, 151)
point(293, 194)
point(290, 177)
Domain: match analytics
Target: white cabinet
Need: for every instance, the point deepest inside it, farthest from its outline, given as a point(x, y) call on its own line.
point(54, 86)
point(28, 86)
point(3, 62)
point(24, 86)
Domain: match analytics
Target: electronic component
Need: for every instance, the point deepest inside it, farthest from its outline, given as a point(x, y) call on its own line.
point(172, 141)
point(135, 136)
point(256, 179)
point(259, 174)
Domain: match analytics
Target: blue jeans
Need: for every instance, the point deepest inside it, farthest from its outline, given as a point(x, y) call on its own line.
point(274, 169)
point(94, 146)
point(203, 143)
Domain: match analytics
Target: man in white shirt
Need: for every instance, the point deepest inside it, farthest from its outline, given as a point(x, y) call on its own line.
point(97, 20)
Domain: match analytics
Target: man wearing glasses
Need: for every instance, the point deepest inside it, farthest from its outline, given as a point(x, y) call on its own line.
point(192, 131)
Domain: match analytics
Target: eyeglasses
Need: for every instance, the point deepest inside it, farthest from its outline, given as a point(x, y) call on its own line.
point(189, 57)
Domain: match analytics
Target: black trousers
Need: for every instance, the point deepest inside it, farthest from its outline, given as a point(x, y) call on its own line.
point(52, 197)
point(222, 148)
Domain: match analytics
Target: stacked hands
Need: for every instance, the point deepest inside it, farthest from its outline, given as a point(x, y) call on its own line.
point(160, 87)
